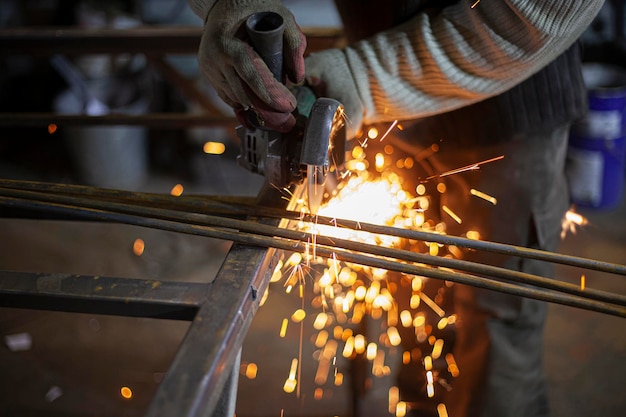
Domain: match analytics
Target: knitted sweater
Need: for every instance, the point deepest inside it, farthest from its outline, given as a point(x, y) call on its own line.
point(551, 97)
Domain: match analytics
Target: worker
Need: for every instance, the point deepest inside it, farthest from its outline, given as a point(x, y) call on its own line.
point(480, 79)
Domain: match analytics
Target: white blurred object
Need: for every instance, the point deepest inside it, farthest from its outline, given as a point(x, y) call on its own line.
point(53, 393)
point(18, 342)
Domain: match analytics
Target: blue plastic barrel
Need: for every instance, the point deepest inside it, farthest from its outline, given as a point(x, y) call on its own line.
point(596, 164)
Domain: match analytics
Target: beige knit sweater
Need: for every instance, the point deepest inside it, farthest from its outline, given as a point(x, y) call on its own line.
point(442, 61)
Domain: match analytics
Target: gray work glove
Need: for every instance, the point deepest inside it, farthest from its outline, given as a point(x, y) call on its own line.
point(329, 74)
point(239, 75)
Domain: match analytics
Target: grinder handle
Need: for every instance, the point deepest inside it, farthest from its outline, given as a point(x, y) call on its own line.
point(265, 30)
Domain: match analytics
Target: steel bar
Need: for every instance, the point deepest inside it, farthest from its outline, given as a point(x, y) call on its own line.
point(240, 207)
point(269, 230)
point(232, 205)
point(101, 295)
point(488, 246)
point(579, 301)
point(154, 120)
point(145, 39)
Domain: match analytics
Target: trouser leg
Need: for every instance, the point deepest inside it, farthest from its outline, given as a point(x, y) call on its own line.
point(498, 337)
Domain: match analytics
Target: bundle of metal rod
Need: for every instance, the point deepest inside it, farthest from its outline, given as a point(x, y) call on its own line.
point(256, 234)
point(240, 207)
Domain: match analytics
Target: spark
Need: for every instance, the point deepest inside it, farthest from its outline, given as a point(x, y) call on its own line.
point(394, 336)
point(428, 363)
point(441, 408)
point(346, 293)
point(475, 4)
point(401, 409)
point(177, 190)
point(372, 349)
point(394, 397)
point(484, 196)
point(438, 310)
point(251, 370)
point(430, 387)
point(437, 349)
point(378, 366)
point(291, 382)
point(321, 339)
point(452, 214)
point(452, 366)
point(571, 221)
point(582, 282)
point(283, 328)
point(395, 122)
point(298, 315)
point(126, 392)
point(338, 379)
point(138, 247)
point(214, 148)
point(52, 128)
point(471, 167)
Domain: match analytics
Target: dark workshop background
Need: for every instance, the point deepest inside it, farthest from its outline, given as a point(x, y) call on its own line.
point(75, 364)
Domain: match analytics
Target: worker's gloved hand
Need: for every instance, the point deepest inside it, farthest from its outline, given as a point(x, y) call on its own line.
point(239, 75)
point(329, 74)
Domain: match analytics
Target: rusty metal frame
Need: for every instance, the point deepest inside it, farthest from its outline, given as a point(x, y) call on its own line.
point(202, 378)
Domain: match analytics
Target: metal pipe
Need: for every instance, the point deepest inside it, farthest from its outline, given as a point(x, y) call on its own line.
point(579, 301)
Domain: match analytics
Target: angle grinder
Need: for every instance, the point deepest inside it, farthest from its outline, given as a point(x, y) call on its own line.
point(314, 148)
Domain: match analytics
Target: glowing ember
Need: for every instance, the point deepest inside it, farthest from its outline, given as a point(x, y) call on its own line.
point(571, 221)
point(344, 294)
point(251, 370)
point(214, 148)
point(582, 283)
point(283, 328)
point(126, 392)
point(484, 196)
point(291, 382)
point(52, 128)
point(177, 190)
point(138, 247)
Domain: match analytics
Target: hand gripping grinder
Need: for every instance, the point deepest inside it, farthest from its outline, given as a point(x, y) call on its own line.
point(313, 148)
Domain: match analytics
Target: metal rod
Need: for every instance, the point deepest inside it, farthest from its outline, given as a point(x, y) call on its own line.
point(269, 230)
point(145, 39)
point(206, 204)
point(155, 120)
point(494, 247)
point(291, 245)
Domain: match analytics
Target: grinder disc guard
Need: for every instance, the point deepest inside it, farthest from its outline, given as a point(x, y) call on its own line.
point(323, 146)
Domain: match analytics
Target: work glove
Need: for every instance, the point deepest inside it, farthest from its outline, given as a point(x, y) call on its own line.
point(239, 75)
point(329, 74)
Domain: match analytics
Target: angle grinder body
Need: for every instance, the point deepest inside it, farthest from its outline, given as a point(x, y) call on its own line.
point(314, 148)
point(312, 151)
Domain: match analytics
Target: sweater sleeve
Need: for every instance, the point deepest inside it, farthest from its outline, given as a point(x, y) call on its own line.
point(442, 60)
